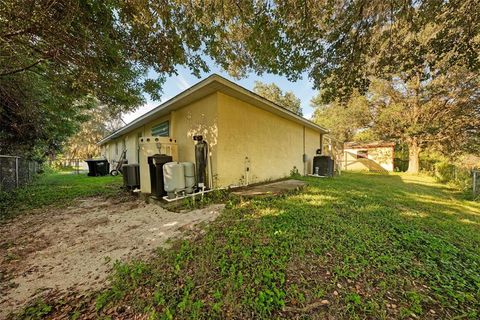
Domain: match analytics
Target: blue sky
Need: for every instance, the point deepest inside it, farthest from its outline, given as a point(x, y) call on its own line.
point(176, 84)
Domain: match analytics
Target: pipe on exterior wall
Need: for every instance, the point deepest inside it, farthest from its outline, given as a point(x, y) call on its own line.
point(247, 171)
point(321, 143)
point(210, 171)
point(304, 156)
point(171, 128)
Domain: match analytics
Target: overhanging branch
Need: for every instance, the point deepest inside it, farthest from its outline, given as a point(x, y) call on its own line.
point(21, 69)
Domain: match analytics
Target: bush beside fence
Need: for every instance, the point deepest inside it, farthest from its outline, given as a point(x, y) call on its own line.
point(466, 179)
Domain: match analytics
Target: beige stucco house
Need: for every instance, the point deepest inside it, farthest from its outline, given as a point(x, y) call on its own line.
point(250, 138)
point(376, 156)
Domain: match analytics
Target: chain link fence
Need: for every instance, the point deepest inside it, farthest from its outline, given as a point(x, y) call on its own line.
point(16, 172)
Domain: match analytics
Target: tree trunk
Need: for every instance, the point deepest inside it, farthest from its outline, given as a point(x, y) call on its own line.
point(413, 157)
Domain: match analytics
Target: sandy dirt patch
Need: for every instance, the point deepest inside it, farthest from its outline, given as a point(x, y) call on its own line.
point(74, 248)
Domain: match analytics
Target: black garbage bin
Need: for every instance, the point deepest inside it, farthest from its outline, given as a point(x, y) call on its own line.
point(155, 164)
point(97, 167)
point(103, 167)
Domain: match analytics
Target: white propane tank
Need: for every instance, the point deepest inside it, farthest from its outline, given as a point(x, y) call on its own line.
point(173, 178)
point(189, 169)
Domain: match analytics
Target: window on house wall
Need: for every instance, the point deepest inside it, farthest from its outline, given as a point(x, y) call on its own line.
point(116, 148)
point(362, 154)
point(161, 130)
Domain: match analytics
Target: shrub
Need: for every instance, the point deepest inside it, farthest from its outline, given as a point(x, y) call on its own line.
point(446, 172)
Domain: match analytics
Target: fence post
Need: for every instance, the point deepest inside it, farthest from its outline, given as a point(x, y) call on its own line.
point(475, 182)
point(16, 171)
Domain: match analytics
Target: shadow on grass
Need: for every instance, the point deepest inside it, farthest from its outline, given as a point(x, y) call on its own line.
point(56, 189)
point(381, 226)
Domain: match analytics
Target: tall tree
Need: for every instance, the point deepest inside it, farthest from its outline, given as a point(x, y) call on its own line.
point(344, 119)
point(441, 113)
point(83, 144)
point(35, 115)
point(272, 92)
point(53, 54)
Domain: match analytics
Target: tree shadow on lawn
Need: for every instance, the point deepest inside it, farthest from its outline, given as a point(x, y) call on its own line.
point(418, 233)
point(424, 204)
point(420, 194)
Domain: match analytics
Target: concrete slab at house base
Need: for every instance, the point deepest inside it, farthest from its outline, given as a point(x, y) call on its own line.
point(271, 189)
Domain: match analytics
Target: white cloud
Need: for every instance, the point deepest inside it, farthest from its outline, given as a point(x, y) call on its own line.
point(182, 83)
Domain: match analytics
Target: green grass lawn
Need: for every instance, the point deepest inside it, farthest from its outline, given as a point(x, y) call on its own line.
point(56, 189)
point(355, 246)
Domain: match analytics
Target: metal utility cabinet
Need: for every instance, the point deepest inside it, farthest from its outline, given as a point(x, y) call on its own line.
point(131, 175)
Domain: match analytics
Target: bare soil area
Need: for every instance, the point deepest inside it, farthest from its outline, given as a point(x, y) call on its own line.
point(74, 248)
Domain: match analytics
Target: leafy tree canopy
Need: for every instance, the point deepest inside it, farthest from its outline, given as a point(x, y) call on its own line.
point(273, 93)
point(344, 119)
point(83, 144)
point(440, 114)
point(55, 54)
point(343, 44)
